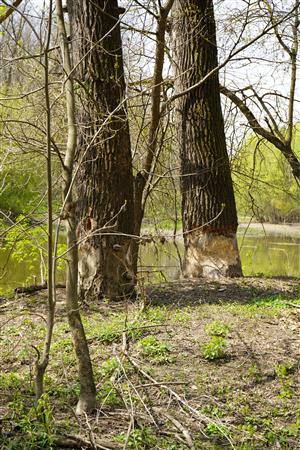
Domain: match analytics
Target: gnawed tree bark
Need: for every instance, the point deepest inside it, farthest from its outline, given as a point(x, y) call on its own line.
point(104, 181)
point(208, 205)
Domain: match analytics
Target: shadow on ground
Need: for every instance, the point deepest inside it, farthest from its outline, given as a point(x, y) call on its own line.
point(238, 290)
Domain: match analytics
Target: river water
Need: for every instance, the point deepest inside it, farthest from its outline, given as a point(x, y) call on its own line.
point(263, 252)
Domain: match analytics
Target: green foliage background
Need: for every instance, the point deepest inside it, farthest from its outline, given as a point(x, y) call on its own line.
point(264, 185)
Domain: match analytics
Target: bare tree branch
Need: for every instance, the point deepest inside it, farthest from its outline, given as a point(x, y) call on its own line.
point(282, 145)
point(9, 11)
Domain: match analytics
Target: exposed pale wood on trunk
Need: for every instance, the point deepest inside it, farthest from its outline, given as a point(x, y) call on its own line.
point(105, 180)
point(208, 205)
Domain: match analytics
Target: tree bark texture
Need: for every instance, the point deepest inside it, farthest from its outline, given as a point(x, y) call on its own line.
point(104, 180)
point(208, 204)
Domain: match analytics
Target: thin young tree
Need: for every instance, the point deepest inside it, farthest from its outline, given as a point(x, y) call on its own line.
point(87, 398)
point(208, 205)
point(43, 359)
point(143, 181)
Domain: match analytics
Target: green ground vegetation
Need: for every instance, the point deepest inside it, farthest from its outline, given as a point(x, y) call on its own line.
point(220, 367)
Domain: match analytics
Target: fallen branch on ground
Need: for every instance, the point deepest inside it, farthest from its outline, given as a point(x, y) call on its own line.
point(75, 441)
point(294, 305)
point(181, 428)
point(201, 418)
point(36, 288)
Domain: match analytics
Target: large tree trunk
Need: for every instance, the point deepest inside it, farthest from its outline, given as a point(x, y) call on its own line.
point(104, 181)
point(208, 205)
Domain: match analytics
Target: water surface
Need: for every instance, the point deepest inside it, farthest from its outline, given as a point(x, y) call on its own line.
point(266, 255)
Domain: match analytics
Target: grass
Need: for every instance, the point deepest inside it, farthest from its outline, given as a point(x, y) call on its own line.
point(248, 397)
point(217, 328)
point(156, 351)
point(147, 438)
point(215, 348)
point(258, 307)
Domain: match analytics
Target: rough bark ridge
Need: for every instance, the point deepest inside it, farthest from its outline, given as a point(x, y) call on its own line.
point(104, 181)
point(208, 205)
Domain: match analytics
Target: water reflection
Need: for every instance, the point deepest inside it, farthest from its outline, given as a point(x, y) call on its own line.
point(267, 255)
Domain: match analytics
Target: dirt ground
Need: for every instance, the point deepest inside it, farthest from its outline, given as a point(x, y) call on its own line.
point(206, 366)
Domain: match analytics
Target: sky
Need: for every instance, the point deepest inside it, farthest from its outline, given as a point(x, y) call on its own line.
point(263, 65)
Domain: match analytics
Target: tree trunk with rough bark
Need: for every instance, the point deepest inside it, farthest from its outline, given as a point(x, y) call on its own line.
point(208, 204)
point(104, 179)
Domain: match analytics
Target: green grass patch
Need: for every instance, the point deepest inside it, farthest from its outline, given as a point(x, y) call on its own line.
point(156, 351)
point(217, 328)
point(34, 427)
point(215, 348)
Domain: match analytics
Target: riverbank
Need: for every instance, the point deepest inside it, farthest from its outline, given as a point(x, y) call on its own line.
point(248, 227)
point(267, 249)
point(269, 229)
point(207, 366)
